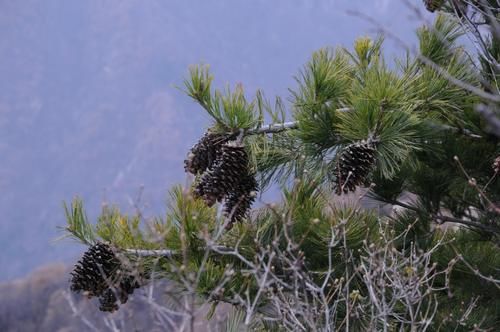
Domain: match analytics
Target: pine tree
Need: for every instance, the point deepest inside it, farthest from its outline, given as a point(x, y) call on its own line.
point(425, 128)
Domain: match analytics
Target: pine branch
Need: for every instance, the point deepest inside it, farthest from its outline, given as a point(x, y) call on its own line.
point(166, 252)
point(151, 253)
point(463, 131)
point(273, 128)
point(441, 219)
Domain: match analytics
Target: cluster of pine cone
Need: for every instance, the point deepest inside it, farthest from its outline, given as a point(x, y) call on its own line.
point(225, 174)
point(353, 166)
point(100, 273)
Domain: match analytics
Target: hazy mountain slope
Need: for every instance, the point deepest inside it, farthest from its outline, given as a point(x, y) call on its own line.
point(42, 302)
point(88, 107)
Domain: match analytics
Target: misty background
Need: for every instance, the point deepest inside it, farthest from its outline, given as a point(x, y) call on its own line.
point(89, 105)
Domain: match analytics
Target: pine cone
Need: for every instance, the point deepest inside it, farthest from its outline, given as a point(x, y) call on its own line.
point(107, 302)
point(204, 153)
point(93, 272)
point(225, 175)
point(100, 273)
point(210, 187)
point(127, 287)
point(433, 5)
point(239, 201)
point(354, 165)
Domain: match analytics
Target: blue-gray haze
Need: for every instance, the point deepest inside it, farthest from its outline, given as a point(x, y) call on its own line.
point(88, 104)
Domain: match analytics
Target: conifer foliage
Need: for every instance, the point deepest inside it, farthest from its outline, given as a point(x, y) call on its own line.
point(420, 138)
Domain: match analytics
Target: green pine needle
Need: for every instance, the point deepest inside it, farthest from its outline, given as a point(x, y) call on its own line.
point(78, 225)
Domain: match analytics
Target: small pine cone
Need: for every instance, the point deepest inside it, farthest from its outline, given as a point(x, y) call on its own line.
point(107, 301)
point(93, 272)
point(354, 165)
point(204, 153)
point(225, 175)
point(496, 165)
point(239, 202)
point(127, 286)
point(433, 5)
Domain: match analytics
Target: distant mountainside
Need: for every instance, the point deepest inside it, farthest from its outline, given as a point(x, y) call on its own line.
point(42, 302)
point(88, 105)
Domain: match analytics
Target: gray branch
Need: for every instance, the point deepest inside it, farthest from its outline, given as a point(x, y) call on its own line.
point(164, 252)
point(273, 128)
point(149, 253)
